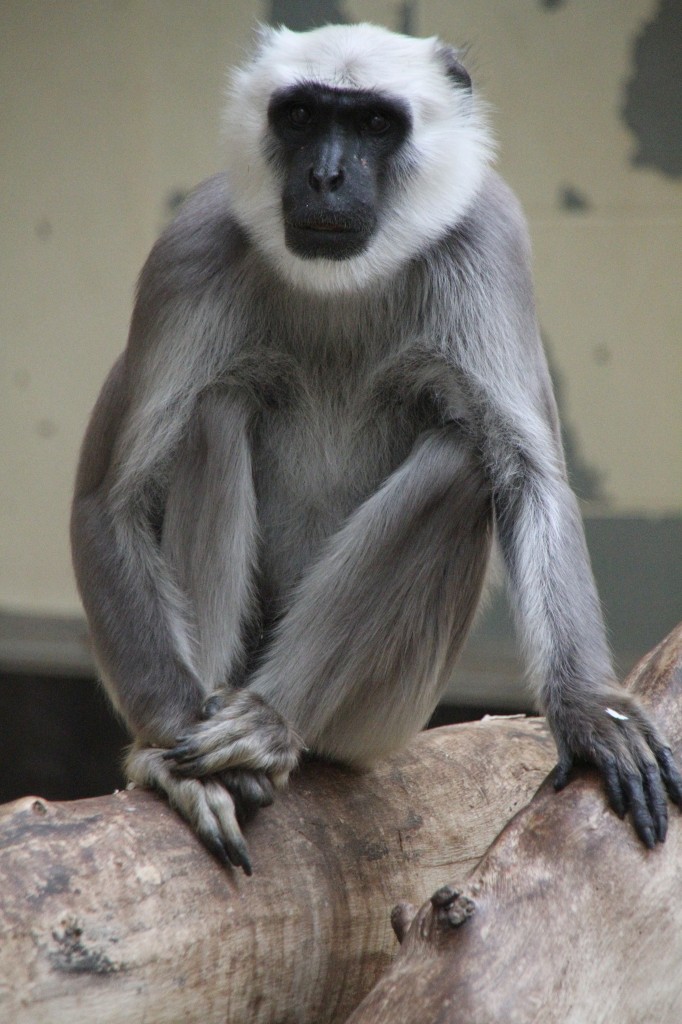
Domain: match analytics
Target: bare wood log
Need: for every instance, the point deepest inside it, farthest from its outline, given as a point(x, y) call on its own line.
point(567, 919)
point(113, 912)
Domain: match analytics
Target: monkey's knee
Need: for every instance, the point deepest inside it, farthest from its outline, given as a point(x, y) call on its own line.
point(448, 452)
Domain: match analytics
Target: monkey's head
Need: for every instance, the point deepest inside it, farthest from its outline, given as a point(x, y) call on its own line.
point(351, 150)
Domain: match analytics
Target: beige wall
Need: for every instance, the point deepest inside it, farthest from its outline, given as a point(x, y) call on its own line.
point(108, 108)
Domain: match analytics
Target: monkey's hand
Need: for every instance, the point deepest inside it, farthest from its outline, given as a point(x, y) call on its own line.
point(240, 731)
point(222, 770)
point(609, 729)
point(243, 741)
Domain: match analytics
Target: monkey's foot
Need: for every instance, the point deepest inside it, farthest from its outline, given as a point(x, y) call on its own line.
point(204, 803)
point(249, 791)
point(243, 733)
point(610, 730)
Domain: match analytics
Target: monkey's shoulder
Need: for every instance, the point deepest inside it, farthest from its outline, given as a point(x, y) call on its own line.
point(199, 247)
point(494, 226)
point(486, 256)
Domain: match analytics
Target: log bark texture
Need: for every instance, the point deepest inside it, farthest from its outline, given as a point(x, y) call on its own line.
point(572, 919)
point(112, 912)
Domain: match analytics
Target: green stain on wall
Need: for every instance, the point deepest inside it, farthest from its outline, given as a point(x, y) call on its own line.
point(652, 106)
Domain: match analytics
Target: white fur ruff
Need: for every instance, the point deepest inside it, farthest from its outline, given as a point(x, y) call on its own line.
point(450, 145)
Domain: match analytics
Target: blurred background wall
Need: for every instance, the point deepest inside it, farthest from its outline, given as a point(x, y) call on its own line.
point(110, 112)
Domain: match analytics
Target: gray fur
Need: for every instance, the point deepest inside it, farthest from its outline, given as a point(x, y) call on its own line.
point(295, 491)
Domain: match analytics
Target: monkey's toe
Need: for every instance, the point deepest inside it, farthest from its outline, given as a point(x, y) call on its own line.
point(250, 791)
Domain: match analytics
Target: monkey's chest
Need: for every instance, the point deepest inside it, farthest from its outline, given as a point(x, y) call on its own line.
point(315, 462)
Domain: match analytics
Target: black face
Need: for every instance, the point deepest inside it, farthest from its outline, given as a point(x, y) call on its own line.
point(335, 148)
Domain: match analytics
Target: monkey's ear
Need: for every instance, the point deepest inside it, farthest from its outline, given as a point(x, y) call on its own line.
point(454, 69)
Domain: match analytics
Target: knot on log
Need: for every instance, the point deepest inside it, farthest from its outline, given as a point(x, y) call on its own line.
point(402, 917)
point(451, 907)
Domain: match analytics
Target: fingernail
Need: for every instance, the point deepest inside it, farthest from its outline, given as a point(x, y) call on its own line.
point(649, 838)
point(243, 859)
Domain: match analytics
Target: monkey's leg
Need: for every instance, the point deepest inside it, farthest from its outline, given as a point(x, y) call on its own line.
point(210, 528)
point(370, 640)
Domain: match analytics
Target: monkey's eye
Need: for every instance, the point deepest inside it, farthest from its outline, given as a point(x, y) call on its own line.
point(377, 124)
point(299, 115)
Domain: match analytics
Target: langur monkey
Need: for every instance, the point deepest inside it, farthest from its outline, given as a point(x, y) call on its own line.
point(333, 395)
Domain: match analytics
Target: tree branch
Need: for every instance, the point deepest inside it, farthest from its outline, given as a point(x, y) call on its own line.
point(113, 912)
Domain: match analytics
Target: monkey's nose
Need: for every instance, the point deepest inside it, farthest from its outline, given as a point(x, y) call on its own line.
point(322, 180)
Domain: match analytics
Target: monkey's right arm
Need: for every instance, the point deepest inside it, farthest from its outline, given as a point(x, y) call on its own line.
point(137, 623)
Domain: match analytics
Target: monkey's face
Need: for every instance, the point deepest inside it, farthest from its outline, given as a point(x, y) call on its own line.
point(351, 150)
point(334, 150)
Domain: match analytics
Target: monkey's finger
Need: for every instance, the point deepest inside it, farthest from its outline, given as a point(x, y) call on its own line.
point(209, 733)
point(193, 757)
point(227, 848)
point(617, 798)
point(250, 792)
point(670, 774)
point(631, 781)
point(238, 854)
point(234, 853)
point(656, 799)
point(214, 845)
point(242, 859)
point(196, 767)
point(224, 829)
point(250, 787)
point(182, 751)
point(208, 752)
point(214, 703)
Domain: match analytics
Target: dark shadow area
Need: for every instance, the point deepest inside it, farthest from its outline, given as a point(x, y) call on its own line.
point(59, 738)
point(61, 741)
point(451, 714)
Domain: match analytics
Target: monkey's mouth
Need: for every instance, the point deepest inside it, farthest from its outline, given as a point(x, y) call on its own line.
point(331, 225)
point(332, 238)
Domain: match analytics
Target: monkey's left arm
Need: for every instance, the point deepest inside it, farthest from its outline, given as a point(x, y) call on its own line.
point(541, 534)
point(593, 720)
